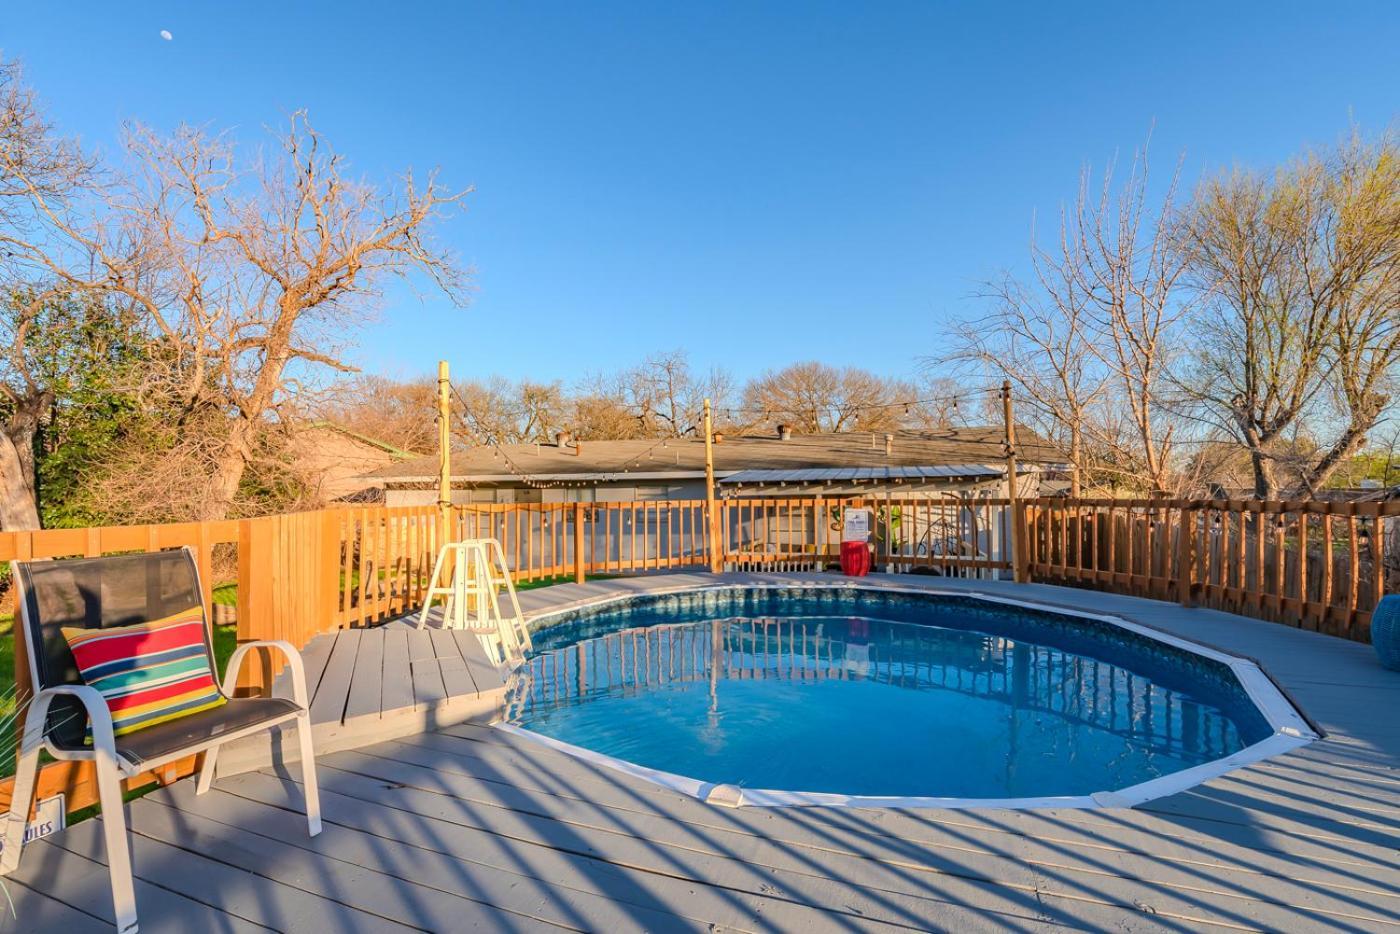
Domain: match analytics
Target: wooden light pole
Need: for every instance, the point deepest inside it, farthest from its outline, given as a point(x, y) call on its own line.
point(1018, 551)
point(444, 415)
point(711, 518)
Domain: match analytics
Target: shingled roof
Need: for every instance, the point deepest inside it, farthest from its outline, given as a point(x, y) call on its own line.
point(684, 457)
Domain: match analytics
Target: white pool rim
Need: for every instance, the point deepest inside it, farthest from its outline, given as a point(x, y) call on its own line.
point(1290, 729)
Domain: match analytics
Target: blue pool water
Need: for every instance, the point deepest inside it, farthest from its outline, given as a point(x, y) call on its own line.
point(878, 694)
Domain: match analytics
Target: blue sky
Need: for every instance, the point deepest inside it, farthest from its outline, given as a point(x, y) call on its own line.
point(756, 182)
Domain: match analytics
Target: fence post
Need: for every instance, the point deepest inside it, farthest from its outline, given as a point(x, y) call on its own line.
point(329, 555)
point(1186, 556)
point(580, 571)
point(1020, 559)
point(1020, 542)
point(711, 519)
point(255, 600)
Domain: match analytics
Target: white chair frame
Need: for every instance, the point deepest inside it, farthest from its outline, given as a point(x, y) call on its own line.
point(112, 769)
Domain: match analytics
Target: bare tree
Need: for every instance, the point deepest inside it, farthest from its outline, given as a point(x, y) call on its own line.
point(399, 413)
point(252, 272)
point(1300, 279)
point(1040, 338)
point(1120, 252)
point(603, 416)
point(813, 397)
point(932, 402)
point(497, 411)
point(663, 390)
point(668, 395)
point(659, 398)
point(38, 167)
point(1088, 340)
point(27, 397)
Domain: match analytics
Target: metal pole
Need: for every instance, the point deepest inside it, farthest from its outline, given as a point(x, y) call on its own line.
point(711, 518)
point(1018, 570)
point(444, 415)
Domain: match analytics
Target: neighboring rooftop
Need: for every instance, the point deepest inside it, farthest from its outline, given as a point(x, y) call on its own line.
point(976, 449)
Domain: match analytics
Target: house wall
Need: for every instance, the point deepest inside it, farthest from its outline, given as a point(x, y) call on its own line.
point(334, 465)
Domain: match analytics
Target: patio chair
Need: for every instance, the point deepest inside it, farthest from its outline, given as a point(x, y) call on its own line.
point(71, 720)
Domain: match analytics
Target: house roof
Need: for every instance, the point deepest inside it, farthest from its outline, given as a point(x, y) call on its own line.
point(678, 458)
point(328, 425)
point(868, 474)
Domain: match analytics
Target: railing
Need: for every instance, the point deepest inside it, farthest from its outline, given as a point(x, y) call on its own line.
point(1317, 565)
point(946, 535)
point(543, 540)
point(386, 554)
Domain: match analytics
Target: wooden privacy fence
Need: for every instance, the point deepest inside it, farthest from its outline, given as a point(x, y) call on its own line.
point(1318, 565)
point(1313, 564)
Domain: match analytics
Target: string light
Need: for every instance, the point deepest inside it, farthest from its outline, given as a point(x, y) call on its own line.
point(499, 452)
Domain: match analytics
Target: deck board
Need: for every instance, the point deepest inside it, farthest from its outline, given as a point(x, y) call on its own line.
point(428, 687)
point(551, 884)
point(456, 678)
point(364, 695)
point(487, 676)
point(379, 683)
point(460, 826)
point(43, 913)
point(313, 661)
point(72, 868)
point(909, 849)
point(398, 676)
point(260, 842)
point(518, 766)
point(328, 704)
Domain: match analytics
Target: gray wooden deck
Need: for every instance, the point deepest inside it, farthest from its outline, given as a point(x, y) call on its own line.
point(463, 827)
point(368, 685)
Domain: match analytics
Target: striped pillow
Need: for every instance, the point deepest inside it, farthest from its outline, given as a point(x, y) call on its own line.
point(148, 673)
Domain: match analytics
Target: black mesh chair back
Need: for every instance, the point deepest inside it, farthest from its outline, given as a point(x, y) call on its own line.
point(96, 593)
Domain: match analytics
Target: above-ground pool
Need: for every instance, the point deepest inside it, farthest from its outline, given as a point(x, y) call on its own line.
point(844, 695)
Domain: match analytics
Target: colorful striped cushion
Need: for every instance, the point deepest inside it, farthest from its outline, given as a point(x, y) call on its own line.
point(148, 673)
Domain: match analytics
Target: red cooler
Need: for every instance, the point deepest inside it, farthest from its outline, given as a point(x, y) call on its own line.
point(855, 559)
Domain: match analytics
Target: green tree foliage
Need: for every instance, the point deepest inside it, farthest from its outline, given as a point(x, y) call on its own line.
point(94, 355)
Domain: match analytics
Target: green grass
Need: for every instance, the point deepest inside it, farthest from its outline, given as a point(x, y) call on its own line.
point(7, 668)
point(226, 595)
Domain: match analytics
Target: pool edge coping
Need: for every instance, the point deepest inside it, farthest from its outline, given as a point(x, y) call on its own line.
point(1292, 727)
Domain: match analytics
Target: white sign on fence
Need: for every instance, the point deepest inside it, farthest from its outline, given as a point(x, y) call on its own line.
point(50, 817)
point(856, 525)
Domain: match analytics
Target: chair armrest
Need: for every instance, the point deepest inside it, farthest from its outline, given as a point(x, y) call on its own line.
point(292, 656)
point(98, 713)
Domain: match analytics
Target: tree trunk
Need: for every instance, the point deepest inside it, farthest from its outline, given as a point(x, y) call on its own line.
point(1342, 451)
point(19, 509)
point(228, 472)
point(1264, 484)
point(1076, 453)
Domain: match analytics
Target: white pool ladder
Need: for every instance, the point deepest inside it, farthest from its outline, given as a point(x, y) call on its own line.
point(468, 575)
